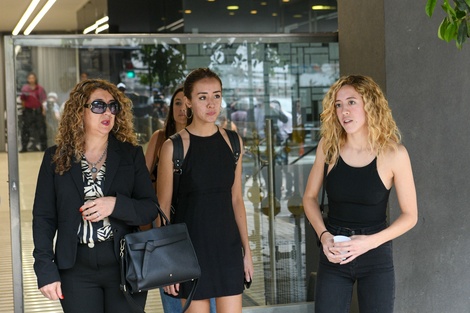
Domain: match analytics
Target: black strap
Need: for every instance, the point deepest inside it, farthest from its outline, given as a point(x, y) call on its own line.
point(325, 171)
point(234, 142)
point(178, 156)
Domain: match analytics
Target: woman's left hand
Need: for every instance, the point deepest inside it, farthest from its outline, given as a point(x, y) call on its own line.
point(98, 209)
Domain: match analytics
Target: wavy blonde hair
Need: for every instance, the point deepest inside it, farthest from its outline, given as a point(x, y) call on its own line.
point(70, 137)
point(383, 132)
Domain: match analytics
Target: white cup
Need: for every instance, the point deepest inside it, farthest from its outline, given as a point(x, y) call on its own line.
point(340, 238)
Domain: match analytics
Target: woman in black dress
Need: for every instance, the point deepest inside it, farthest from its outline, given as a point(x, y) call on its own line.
point(210, 199)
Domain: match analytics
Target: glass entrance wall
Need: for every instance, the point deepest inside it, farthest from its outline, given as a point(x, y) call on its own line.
point(280, 78)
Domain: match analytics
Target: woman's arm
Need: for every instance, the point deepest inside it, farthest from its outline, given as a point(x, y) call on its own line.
point(133, 199)
point(240, 216)
point(45, 223)
point(150, 152)
point(165, 177)
point(406, 193)
point(310, 198)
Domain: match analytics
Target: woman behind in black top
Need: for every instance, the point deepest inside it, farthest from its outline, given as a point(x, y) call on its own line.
point(361, 145)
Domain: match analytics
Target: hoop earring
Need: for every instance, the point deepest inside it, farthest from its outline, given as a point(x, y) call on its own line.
point(186, 113)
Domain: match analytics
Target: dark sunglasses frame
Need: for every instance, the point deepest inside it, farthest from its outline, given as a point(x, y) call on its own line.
point(99, 107)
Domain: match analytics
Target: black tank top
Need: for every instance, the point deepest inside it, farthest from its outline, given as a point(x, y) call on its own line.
point(357, 197)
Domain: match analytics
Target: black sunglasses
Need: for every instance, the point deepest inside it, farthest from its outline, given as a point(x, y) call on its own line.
point(99, 107)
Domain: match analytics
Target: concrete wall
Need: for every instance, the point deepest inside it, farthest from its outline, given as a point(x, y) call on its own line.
point(427, 82)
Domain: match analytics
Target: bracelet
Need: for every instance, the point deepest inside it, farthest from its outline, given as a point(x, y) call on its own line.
point(325, 231)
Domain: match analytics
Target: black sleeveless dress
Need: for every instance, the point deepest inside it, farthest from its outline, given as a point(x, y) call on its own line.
point(205, 205)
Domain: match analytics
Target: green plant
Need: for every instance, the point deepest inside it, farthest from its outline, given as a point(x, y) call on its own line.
point(165, 64)
point(456, 24)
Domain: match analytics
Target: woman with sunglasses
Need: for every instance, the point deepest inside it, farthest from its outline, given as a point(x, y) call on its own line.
point(92, 189)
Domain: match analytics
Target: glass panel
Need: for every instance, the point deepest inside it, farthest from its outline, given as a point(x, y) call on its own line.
point(277, 77)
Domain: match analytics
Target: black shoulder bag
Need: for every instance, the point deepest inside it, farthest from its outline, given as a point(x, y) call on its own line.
point(156, 258)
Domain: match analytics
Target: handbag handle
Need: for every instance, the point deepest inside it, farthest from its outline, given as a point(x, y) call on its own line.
point(163, 217)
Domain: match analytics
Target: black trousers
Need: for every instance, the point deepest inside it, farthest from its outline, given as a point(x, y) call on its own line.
point(33, 124)
point(92, 285)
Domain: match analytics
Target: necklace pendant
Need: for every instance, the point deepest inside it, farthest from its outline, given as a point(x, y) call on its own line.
point(94, 170)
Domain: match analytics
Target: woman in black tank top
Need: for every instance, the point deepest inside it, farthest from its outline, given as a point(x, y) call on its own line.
point(361, 147)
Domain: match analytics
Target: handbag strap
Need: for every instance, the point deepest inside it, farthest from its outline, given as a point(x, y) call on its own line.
point(136, 308)
point(178, 156)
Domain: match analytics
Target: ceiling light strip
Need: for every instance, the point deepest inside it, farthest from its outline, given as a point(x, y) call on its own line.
point(101, 28)
point(96, 25)
point(25, 17)
point(39, 17)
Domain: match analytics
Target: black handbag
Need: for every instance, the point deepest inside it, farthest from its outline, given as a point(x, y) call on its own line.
point(156, 258)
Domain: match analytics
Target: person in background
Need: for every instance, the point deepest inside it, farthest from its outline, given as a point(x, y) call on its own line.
point(210, 200)
point(92, 189)
point(360, 149)
point(32, 97)
point(121, 87)
point(175, 121)
point(51, 109)
point(225, 123)
point(83, 76)
point(298, 133)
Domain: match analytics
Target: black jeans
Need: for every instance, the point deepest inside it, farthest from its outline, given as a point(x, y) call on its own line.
point(92, 285)
point(33, 124)
point(373, 272)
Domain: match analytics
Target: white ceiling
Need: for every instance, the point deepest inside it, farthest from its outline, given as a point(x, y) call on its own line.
point(62, 17)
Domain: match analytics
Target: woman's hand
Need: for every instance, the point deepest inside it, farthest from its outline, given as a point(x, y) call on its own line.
point(345, 252)
point(96, 210)
point(172, 289)
point(248, 265)
point(52, 291)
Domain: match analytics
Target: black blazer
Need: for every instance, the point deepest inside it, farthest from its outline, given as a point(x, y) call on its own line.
point(59, 197)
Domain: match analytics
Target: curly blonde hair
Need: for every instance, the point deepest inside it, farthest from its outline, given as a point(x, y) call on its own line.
point(383, 132)
point(70, 137)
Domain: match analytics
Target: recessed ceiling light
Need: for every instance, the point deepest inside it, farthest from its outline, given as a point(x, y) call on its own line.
point(297, 16)
point(274, 14)
point(264, 3)
point(187, 11)
point(254, 12)
point(323, 7)
point(232, 7)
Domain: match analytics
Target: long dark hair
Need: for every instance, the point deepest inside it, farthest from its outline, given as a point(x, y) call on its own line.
point(170, 123)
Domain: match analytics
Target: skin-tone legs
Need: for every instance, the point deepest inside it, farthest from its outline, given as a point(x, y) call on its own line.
point(229, 304)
